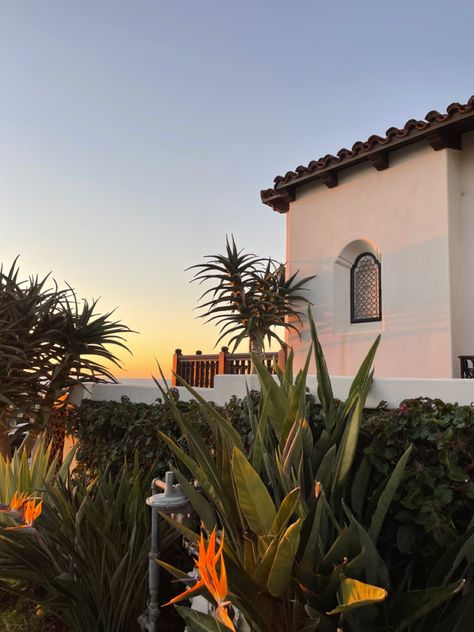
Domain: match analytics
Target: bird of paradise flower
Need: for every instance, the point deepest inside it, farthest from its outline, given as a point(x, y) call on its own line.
point(209, 578)
point(24, 509)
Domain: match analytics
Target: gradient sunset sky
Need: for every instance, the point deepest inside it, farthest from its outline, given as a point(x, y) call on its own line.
point(135, 135)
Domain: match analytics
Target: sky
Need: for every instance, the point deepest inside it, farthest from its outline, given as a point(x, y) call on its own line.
point(134, 136)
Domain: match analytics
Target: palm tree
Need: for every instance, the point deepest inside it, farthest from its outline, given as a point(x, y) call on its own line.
point(250, 297)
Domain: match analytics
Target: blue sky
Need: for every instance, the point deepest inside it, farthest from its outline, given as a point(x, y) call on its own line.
point(136, 135)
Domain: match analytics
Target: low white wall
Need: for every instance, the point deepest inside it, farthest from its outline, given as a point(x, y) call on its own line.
point(391, 390)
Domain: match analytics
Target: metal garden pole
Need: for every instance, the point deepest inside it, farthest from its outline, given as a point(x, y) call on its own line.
point(171, 501)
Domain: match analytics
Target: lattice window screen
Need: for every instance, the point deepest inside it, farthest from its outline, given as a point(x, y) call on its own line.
point(365, 289)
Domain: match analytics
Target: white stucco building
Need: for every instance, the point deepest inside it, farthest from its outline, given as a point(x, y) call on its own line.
point(388, 228)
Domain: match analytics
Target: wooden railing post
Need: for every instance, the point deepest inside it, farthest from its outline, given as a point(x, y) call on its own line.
point(222, 359)
point(176, 354)
point(197, 370)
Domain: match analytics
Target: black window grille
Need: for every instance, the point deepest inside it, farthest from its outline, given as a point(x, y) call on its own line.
point(366, 290)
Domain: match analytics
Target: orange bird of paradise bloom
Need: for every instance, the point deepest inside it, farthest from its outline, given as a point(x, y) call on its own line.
point(215, 583)
point(25, 508)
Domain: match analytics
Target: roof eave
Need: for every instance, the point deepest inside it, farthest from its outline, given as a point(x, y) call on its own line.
point(440, 134)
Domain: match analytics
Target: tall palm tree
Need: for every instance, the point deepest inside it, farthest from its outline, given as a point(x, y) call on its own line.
point(250, 297)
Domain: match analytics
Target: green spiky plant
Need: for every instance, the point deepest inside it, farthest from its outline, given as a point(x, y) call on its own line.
point(299, 533)
point(250, 297)
point(49, 342)
point(25, 348)
point(88, 564)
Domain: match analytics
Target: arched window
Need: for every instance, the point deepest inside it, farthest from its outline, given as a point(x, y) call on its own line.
point(366, 291)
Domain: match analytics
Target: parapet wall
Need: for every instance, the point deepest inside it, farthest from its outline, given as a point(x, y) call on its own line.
point(391, 390)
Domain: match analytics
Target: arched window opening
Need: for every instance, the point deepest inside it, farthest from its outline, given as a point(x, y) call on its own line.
point(366, 291)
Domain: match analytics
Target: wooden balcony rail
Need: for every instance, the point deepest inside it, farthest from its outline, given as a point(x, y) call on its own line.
point(199, 370)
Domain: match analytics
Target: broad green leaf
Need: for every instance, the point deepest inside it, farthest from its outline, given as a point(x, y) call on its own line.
point(406, 608)
point(285, 511)
point(347, 448)
point(200, 622)
point(465, 612)
point(387, 495)
point(282, 567)
point(355, 594)
point(264, 566)
point(359, 486)
point(200, 505)
point(445, 565)
point(255, 501)
point(361, 378)
point(325, 392)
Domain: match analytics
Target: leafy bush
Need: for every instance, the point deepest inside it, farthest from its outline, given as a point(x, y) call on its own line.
point(302, 526)
point(109, 432)
point(435, 502)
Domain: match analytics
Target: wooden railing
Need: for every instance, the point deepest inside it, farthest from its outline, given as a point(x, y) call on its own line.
point(199, 370)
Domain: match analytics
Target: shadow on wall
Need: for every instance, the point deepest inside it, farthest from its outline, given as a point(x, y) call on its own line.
point(415, 326)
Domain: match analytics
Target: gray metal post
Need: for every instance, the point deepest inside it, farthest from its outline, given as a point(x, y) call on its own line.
point(172, 501)
point(153, 569)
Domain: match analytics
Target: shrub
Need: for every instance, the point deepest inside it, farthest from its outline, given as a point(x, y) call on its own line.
point(88, 565)
point(435, 502)
point(302, 524)
point(109, 432)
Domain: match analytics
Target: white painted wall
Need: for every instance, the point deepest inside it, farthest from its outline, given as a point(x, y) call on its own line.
point(462, 246)
point(391, 390)
point(406, 211)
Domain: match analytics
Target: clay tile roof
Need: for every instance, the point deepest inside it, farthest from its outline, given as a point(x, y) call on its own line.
point(441, 131)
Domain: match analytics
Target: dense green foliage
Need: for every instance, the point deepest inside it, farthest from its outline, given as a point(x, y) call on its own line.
point(304, 524)
point(49, 341)
point(87, 564)
point(435, 502)
point(250, 297)
point(109, 432)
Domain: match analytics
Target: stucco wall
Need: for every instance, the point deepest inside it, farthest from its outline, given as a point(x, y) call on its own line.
point(390, 390)
point(462, 247)
point(404, 211)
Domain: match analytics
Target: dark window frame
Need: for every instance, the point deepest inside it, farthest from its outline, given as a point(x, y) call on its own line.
point(377, 318)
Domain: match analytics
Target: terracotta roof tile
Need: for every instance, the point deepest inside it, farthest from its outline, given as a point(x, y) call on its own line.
point(394, 138)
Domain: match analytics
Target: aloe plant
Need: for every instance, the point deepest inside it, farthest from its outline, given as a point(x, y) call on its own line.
point(88, 565)
point(298, 557)
point(250, 297)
